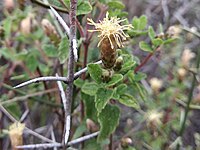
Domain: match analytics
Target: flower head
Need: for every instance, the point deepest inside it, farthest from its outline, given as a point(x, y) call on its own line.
point(110, 28)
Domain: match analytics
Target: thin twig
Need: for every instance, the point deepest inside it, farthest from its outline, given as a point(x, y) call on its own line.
point(53, 78)
point(60, 20)
point(187, 109)
point(53, 137)
point(22, 98)
point(24, 115)
point(66, 110)
point(47, 6)
point(51, 145)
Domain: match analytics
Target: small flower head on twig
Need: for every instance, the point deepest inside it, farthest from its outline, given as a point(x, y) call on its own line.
point(111, 28)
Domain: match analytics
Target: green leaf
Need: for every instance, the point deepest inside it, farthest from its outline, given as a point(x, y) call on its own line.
point(63, 50)
point(121, 89)
point(114, 80)
point(116, 5)
point(139, 76)
point(108, 119)
point(145, 47)
point(79, 131)
point(102, 97)
point(170, 40)
point(95, 72)
point(129, 63)
point(31, 62)
point(7, 24)
point(157, 42)
point(84, 8)
point(90, 88)
point(89, 103)
point(129, 101)
point(79, 83)
point(50, 50)
point(152, 34)
point(142, 22)
point(135, 23)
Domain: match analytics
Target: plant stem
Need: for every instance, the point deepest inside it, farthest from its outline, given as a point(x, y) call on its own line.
point(111, 142)
point(145, 60)
point(70, 74)
point(187, 109)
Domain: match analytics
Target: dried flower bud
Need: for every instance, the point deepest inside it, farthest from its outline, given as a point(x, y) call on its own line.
point(174, 31)
point(15, 132)
point(186, 57)
point(154, 119)
point(156, 84)
point(9, 5)
point(107, 75)
point(50, 31)
point(181, 74)
point(197, 95)
point(92, 127)
point(190, 34)
point(111, 37)
point(21, 3)
point(25, 26)
point(2, 32)
point(125, 142)
point(118, 63)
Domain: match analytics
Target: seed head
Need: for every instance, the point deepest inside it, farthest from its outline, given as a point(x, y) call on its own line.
point(111, 28)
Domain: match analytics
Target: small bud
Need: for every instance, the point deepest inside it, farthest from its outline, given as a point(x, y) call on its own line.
point(118, 63)
point(2, 32)
point(91, 126)
point(129, 122)
point(197, 95)
point(156, 84)
point(25, 26)
point(15, 133)
point(50, 31)
point(154, 119)
point(181, 74)
point(174, 31)
point(9, 5)
point(186, 57)
point(125, 142)
point(107, 75)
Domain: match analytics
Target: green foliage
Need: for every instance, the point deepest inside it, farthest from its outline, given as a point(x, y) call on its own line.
point(90, 88)
point(109, 119)
point(63, 49)
point(145, 47)
point(95, 72)
point(102, 97)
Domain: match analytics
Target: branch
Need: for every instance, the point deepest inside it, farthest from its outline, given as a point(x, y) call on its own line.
point(60, 20)
point(66, 110)
point(187, 109)
point(70, 73)
point(47, 6)
point(146, 59)
point(53, 78)
point(51, 145)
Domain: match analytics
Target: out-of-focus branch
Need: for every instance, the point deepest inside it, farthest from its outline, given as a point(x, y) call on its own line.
point(53, 78)
point(51, 145)
point(66, 110)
